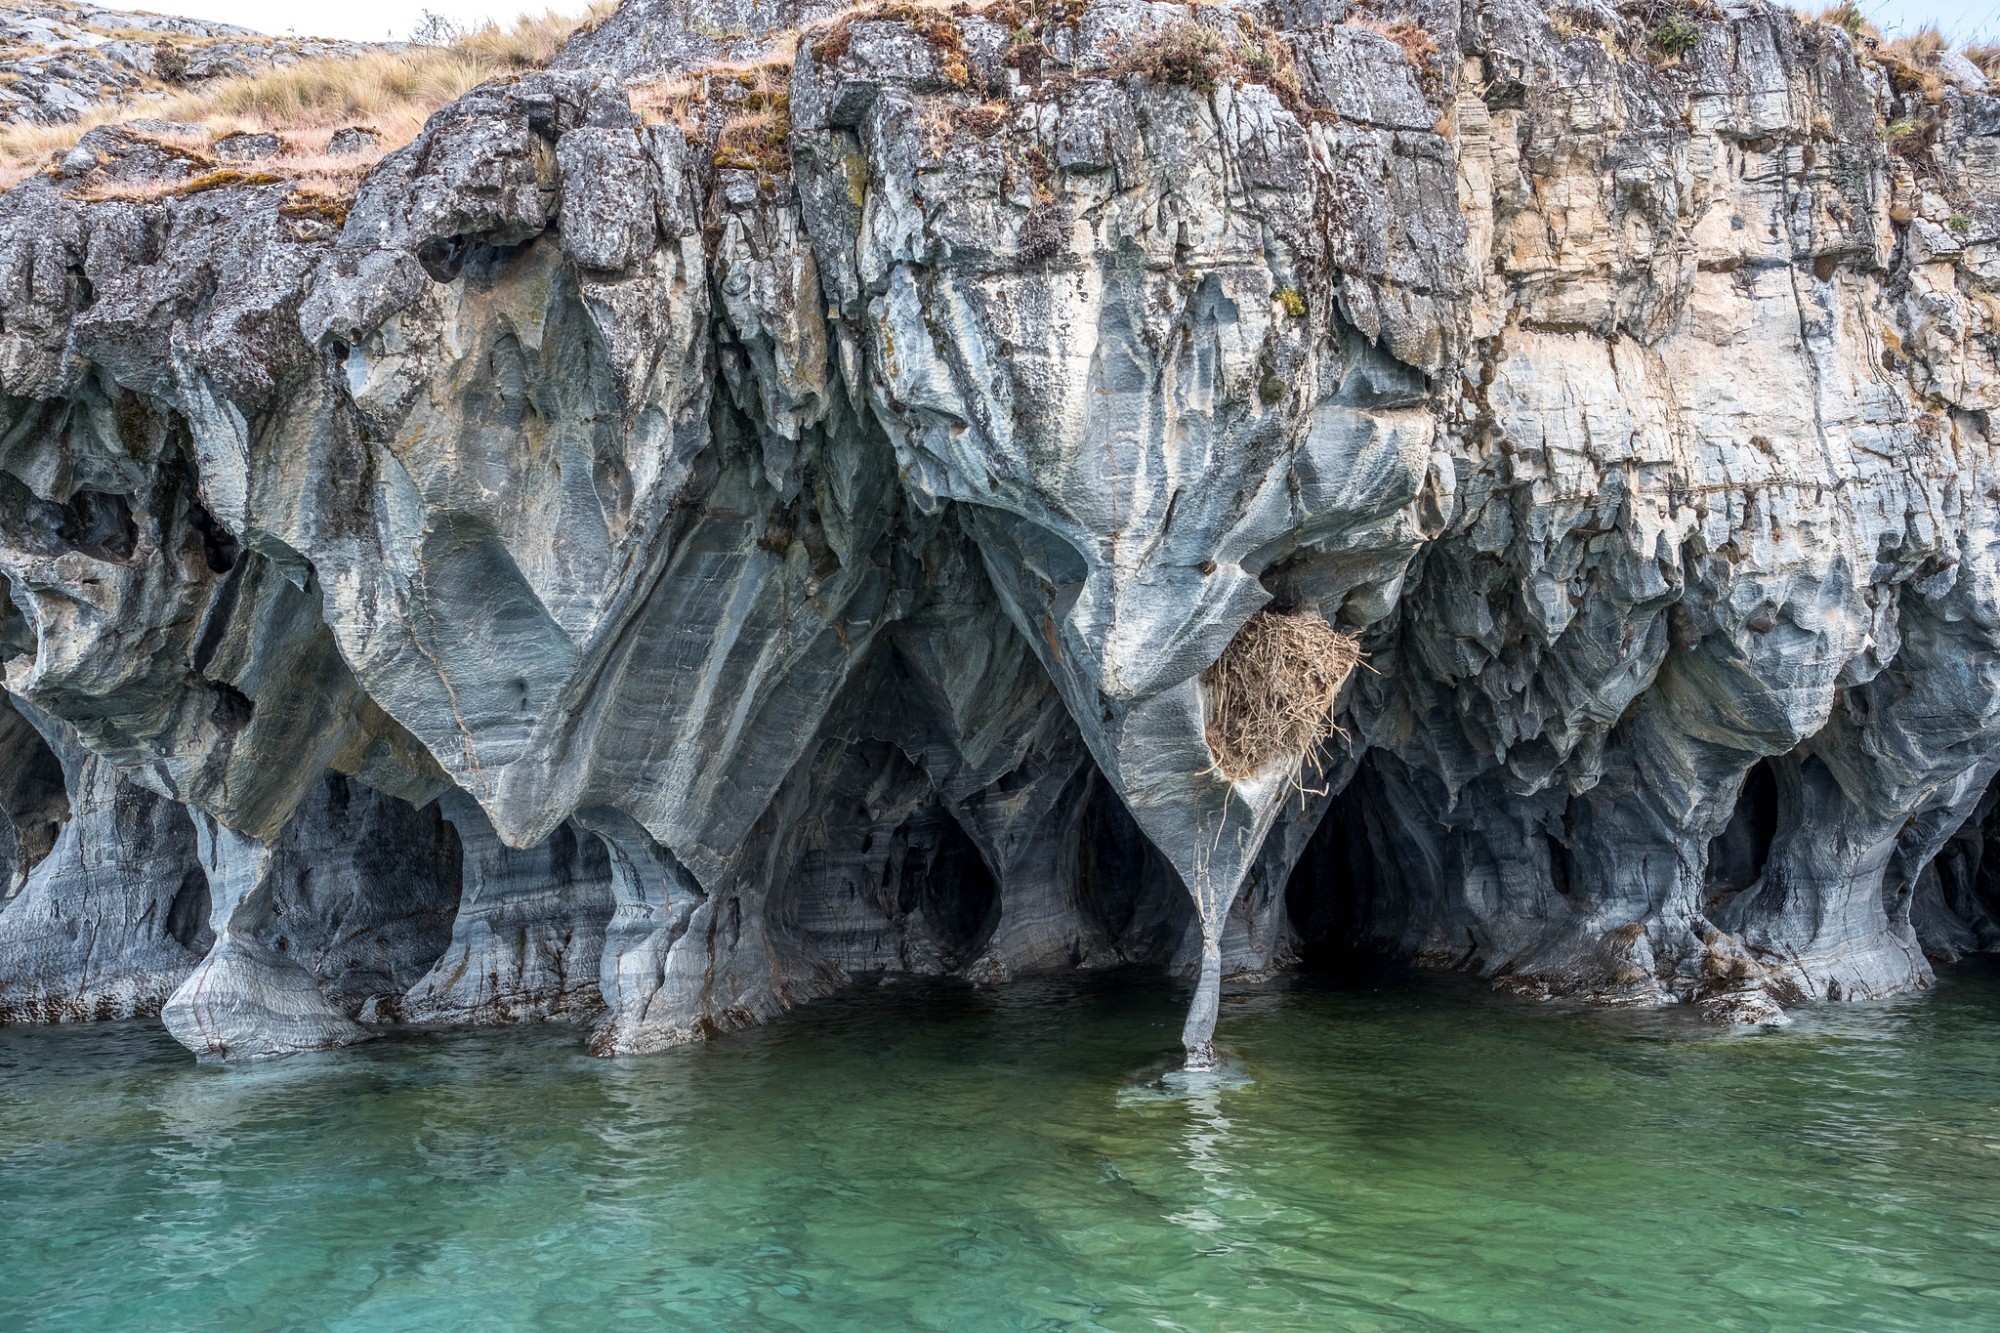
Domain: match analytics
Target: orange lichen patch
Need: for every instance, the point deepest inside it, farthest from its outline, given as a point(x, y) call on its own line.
point(133, 192)
point(320, 201)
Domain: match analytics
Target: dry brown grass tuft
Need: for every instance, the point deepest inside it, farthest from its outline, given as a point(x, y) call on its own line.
point(392, 91)
point(1177, 54)
point(1847, 15)
point(225, 178)
point(1924, 44)
point(1417, 43)
point(1190, 55)
point(933, 20)
point(1910, 63)
point(744, 105)
point(1909, 59)
point(320, 201)
point(1271, 694)
point(755, 141)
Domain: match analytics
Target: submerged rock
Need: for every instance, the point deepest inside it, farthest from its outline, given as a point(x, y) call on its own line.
point(643, 570)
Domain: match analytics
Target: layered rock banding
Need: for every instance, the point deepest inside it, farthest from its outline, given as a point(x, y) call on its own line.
point(695, 534)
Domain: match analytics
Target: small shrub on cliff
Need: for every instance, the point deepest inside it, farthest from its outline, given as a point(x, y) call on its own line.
point(1569, 21)
point(1188, 55)
point(1665, 30)
point(1847, 16)
point(1417, 43)
point(170, 62)
point(1270, 696)
point(1675, 37)
point(1180, 54)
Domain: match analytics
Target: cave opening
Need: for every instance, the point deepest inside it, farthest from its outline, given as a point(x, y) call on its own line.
point(1957, 895)
point(363, 891)
point(99, 524)
point(34, 801)
point(188, 914)
point(1123, 886)
point(959, 897)
point(1337, 892)
point(1736, 856)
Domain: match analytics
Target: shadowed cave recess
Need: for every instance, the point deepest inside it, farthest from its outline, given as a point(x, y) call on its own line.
point(625, 573)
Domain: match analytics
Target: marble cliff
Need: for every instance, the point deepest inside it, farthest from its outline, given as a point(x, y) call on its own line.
point(719, 517)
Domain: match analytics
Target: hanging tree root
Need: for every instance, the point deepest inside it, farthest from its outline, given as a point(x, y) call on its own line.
point(1271, 694)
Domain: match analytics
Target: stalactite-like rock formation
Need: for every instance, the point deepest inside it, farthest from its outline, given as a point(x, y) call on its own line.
point(644, 570)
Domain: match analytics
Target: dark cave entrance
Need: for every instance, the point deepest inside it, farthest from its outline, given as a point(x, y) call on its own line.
point(1956, 911)
point(1123, 885)
point(1120, 885)
point(34, 800)
point(188, 913)
point(1736, 856)
point(957, 894)
point(1338, 890)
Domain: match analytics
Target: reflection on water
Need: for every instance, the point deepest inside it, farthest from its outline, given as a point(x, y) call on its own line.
point(1410, 1154)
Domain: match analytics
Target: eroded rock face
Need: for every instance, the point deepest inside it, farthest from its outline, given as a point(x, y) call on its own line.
point(320, 931)
point(644, 576)
point(112, 916)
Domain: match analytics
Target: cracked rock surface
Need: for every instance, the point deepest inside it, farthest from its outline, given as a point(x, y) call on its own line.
point(646, 570)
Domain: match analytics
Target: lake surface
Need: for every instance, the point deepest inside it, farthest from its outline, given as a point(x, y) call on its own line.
point(1413, 1153)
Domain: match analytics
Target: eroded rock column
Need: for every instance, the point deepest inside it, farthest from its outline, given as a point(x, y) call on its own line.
point(320, 932)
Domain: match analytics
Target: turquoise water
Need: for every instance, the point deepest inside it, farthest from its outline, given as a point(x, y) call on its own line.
point(1414, 1154)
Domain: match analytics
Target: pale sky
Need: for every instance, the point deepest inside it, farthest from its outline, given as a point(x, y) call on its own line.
point(377, 19)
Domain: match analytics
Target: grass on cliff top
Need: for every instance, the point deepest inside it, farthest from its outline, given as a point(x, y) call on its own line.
point(1908, 57)
point(391, 92)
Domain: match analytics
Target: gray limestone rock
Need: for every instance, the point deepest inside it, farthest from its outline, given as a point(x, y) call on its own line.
point(628, 578)
point(528, 930)
point(248, 147)
point(113, 915)
point(351, 140)
point(319, 932)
